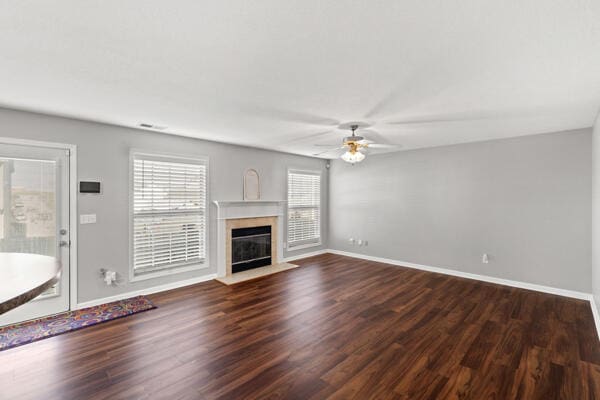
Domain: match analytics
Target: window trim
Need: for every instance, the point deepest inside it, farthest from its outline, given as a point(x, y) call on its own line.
point(319, 242)
point(205, 264)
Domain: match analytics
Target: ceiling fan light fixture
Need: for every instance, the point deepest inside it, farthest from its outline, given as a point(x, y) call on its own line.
point(353, 157)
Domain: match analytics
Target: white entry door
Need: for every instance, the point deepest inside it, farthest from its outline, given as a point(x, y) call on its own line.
point(34, 218)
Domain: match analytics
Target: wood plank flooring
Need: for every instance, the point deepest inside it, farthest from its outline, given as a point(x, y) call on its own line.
point(338, 328)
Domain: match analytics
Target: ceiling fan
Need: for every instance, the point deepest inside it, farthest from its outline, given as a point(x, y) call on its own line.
point(354, 147)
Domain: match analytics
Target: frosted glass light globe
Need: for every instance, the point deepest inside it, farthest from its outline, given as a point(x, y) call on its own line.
point(353, 157)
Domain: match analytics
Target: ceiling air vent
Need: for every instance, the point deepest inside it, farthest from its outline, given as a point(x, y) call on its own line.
point(150, 126)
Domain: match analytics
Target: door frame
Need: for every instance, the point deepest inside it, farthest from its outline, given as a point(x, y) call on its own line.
point(72, 149)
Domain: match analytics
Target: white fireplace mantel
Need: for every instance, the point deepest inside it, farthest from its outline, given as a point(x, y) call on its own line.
point(245, 209)
point(249, 209)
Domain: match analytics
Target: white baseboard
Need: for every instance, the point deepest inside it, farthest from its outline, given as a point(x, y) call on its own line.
point(150, 290)
point(460, 274)
point(507, 282)
point(174, 285)
point(446, 271)
point(305, 255)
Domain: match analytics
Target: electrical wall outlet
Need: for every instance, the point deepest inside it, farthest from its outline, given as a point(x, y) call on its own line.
point(485, 258)
point(87, 219)
point(109, 277)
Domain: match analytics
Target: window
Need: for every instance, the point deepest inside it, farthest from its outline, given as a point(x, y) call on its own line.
point(304, 208)
point(169, 213)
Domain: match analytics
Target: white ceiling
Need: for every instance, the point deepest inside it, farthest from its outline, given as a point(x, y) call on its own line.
point(276, 74)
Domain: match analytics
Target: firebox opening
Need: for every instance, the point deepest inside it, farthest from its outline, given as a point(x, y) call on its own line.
point(250, 248)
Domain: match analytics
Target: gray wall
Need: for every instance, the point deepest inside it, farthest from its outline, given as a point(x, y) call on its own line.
point(103, 153)
point(596, 213)
point(525, 201)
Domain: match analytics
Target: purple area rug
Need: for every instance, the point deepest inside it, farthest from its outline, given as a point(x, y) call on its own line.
point(42, 328)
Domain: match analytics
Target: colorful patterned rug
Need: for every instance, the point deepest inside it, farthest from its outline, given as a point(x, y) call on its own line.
point(42, 328)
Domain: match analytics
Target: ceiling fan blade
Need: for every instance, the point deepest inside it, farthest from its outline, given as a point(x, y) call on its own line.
point(290, 116)
point(374, 137)
point(383, 146)
point(336, 149)
point(310, 137)
point(383, 104)
point(475, 115)
point(422, 83)
point(434, 120)
point(327, 145)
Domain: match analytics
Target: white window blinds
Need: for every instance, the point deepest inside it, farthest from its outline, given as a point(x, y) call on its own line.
point(304, 208)
point(169, 212)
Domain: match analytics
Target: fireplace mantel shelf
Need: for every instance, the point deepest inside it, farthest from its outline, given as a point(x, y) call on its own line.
point(228, 209)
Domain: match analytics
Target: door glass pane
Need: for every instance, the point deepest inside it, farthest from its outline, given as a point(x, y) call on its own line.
point(28, 207)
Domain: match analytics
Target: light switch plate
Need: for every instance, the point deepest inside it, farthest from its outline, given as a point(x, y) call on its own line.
point(87, 219)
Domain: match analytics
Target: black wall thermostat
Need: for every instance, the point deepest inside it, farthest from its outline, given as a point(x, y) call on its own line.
point(89, 187)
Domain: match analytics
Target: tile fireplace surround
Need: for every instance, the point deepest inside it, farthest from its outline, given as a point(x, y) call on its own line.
point(244, 214)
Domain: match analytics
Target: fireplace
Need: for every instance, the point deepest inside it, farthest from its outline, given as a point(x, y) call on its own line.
point(251, 243)
point(234, 215)
point(250, 248)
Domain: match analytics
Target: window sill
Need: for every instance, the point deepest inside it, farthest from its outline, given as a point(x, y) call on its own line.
point(166, 272)
point(304, 246)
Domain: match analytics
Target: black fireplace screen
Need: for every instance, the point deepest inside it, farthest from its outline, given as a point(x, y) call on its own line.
point(250, 248)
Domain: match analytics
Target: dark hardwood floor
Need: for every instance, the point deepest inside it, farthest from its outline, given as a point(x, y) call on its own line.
point(338, 328)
